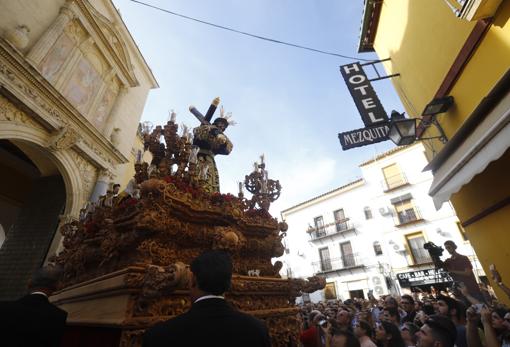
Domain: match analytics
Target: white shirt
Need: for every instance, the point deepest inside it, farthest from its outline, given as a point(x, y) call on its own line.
point(205, 297)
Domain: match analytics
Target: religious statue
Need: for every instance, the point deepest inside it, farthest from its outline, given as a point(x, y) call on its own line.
point(211, 140)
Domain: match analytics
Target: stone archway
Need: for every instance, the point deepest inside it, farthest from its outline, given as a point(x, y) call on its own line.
point(60, 181)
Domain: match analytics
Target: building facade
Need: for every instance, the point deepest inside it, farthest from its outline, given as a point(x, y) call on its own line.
point(73, 85)
point(370, 233)
point(461, 49)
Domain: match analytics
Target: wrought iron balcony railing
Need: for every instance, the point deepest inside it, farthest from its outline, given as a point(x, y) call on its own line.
point(338, 227)
point(345, 262)
point(407, 216)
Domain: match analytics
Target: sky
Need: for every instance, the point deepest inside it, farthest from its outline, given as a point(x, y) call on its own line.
point(289, 104)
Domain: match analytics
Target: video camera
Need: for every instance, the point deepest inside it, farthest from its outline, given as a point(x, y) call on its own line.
point(435, 253)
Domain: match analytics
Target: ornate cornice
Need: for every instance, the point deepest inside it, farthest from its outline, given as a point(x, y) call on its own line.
point(110, 40)
point(22, 83)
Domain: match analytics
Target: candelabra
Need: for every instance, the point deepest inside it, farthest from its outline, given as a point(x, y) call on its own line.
point(264, 190)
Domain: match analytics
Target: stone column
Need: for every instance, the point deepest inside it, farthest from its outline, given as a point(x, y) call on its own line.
point(115, 112)
point(46, 41)
point(103, 181)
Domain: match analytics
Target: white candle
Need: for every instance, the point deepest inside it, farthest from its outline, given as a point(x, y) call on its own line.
point(173, 116)
point(262, 158)
point(240, 187)
point(255, 166)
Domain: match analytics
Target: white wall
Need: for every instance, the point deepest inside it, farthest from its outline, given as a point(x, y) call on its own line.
point(437, 226)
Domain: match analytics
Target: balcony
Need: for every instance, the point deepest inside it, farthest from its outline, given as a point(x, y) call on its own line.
point(339, 228)
point(394, 182)
point(344, 263)
point(408, 216)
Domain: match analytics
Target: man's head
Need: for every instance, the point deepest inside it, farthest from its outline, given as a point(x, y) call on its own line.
point(450, 246)
point(390, 301)
point(390, 314)
point(407, 303)
point(212, 273)
point(45, 279)
point(221, 123)
point(116, 188)
point(438, 331)
point(343, 317)
point(446, 306)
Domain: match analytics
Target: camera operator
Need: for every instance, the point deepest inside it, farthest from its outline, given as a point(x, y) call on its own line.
point(460, 269)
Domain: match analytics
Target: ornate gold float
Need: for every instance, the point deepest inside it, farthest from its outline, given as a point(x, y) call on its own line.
point(126, 261)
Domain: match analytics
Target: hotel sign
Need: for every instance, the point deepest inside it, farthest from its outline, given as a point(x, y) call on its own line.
point(364, 96)
point(364, 136)
point(369, 106)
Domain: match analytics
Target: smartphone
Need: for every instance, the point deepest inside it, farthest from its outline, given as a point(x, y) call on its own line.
point(478, 308)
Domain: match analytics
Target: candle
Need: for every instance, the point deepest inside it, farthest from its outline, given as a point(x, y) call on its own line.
point(139, 156)
point(173, 116)
point(262, 158)
point(184, 130)
point(240, 187)
point(255, 166)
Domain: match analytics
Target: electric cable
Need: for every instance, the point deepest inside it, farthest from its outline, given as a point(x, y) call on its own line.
point(248, 34)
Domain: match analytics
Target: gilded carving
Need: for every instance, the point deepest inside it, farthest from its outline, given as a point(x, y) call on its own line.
point(161, 231)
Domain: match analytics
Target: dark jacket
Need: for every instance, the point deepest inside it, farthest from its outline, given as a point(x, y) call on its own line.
point(210, 322)
point(31, 321)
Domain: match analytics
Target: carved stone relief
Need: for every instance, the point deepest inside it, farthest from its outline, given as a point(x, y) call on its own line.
point(88, 175)
point(64, 138)
point(11, 113)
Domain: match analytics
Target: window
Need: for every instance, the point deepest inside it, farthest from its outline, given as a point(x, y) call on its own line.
point(393, 177)
point(347, 255)
point(419, 254)
point(462, 232)
point(406, 212)
point(319, 226)
point(368, 213)
point(377, 248)
point(325, 259)
point(330, 291)
point(340, 220)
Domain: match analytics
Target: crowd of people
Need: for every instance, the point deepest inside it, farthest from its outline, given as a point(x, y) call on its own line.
point(452, 317)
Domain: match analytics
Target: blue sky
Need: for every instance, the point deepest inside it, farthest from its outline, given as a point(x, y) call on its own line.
point(289, 104)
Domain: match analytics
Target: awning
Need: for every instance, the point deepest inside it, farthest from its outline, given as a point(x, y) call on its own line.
point(485, 144)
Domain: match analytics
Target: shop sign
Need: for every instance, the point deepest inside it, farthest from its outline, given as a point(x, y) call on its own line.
point(364, 136)
point(364, 96)
point(423, 277)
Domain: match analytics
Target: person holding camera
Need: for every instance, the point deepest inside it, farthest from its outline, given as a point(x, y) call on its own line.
point(460, 269)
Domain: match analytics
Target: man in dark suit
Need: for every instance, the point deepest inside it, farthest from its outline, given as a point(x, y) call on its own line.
point(211, 321)
point(33, 320)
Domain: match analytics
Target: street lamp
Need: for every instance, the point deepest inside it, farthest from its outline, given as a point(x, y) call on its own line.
point(439, 105)
point(403, 130)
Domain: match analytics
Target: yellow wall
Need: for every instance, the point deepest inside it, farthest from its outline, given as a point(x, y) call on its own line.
point(423, 39)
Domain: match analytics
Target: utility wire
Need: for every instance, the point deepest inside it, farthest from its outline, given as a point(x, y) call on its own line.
point(248, 34)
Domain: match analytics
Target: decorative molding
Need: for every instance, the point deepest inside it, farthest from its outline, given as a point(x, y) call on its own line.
point(9, 112)
point(110, 41)
point(64, 138)
point(88, 174)
point(26, 84)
